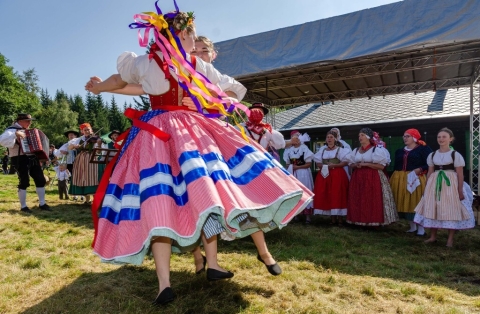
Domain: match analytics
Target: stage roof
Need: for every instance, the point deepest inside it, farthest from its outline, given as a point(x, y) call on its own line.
point(413, 45)
point(395, 108)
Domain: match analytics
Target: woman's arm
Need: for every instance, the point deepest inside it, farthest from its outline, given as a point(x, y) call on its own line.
point(431, 169)
point(371, 165)
point(459, 171)
point(113, 83)
point(305, 166)
point(339, 165)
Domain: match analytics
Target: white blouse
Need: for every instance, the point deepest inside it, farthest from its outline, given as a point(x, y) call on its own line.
point(141, 70)
point(379, 156)
point(274, 138)
point(329, 154)
point(441, 159)
point(297, 152)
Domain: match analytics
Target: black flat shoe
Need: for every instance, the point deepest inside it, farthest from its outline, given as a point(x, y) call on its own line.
point(166, 296)
point(26, 210)
point(214, 275)
point(45, 207)
point(203, 268)
point(272, 269)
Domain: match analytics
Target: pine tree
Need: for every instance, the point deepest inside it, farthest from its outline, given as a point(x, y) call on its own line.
point(76, 104)
point(117, 120)
point(45, 98)
point(143, 104)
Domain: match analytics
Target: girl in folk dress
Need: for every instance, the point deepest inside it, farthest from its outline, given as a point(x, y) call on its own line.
point(331, 184)
point(181, 176)
point(370, 199)
point(447, 201)
point(299, 159)
point(408, 180)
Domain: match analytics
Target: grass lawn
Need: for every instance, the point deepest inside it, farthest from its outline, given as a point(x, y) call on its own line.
point(47, 266)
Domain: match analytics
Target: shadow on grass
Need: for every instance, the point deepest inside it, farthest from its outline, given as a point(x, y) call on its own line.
point(131, 289)
point(386, 252)
point(74, 213)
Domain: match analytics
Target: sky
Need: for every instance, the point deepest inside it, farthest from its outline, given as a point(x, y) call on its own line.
point(67, 41)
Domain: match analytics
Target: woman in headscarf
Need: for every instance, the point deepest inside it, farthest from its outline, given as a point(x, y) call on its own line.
point(408, 180)
point(298, 158)
point(85, 175)
point(370, 199)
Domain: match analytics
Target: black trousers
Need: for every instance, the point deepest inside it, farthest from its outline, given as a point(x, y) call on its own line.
point(62, 189)
point(28, 166)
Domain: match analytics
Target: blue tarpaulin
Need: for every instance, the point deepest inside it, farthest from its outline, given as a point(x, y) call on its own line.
point(400, 26)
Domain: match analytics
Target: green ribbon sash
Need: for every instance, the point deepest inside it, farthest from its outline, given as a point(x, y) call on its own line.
point(438, 187)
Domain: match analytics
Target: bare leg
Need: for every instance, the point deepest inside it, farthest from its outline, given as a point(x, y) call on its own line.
point(197, 259)
point(433, 235)
point(451, 233)
point(210, 246)
point(162, 249)
point(259, 240)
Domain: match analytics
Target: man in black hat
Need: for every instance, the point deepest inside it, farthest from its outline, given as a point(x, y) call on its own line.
point(26, 164)
point(68, 155)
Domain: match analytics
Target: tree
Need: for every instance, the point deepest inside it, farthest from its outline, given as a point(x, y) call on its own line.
point(17, 93)
point(117, 120)
point(56, 119)
point(45, 99)
point(143, 104)
point(76, 104)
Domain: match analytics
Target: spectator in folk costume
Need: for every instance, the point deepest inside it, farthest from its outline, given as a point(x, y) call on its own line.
point(331, 183)
point(370, 198)
point(447, 200)
point(85, 176)
point(298, 158)
point(206, 156)
point(344, 145)
point(62, 178)
point(66, 155)
point(408, 180)
point(26, 165)
point(113, 136)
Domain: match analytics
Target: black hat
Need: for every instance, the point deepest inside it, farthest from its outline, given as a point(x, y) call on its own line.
point(114, 132)
point(261, 106)
point(77, 134)
point(24, 116)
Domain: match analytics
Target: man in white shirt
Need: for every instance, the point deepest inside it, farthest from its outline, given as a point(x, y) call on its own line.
point(25, 164)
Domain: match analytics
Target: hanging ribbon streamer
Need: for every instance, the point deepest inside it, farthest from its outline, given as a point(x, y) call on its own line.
point(175, 57)
point(438, 187)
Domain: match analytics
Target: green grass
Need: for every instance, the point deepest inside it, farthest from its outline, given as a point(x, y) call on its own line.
point(47, 266)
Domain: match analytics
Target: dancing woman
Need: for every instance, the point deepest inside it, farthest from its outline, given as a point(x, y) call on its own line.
point(196, 176)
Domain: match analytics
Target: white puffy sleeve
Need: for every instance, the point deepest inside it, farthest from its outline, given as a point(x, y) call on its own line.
point(59, 153)
point(225, 82)
point(430, 160)
point(308, 154)
point(381, 156)
point(343, 153)
point(75, 141)
point(277, 140)
point(318, 155)
point(459, 161)
point(286, 158)
point(350, 157)
point(8, 138)
point(135, 69)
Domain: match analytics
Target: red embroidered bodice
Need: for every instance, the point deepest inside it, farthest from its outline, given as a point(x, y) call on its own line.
point(173, 97)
